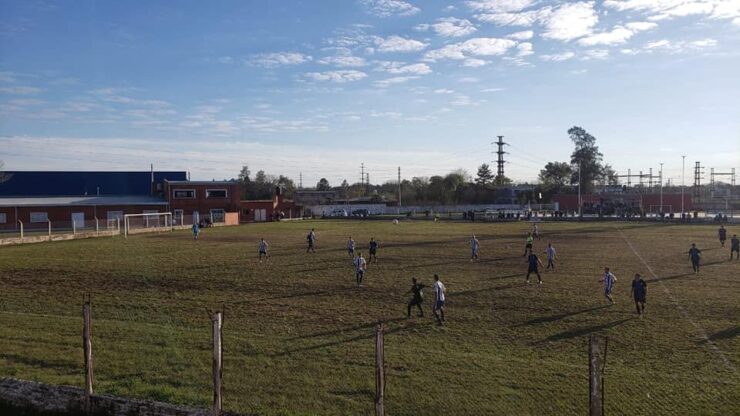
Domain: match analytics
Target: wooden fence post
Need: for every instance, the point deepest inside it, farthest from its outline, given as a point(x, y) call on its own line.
point(594, 378)
point(47, 220)
point(21, 223)
point(217, 321)
point(379, 371)
point(87, 347)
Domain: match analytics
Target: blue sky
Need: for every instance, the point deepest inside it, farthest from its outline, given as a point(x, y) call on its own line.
point(319, 87)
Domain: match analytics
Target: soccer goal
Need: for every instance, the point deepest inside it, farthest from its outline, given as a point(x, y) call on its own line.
point(147, 223)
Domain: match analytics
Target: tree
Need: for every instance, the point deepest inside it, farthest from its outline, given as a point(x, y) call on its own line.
point(245, 181)
point(287, 185)
point(485, 176)
point(555, 175)
point(502, 180)
point(323, 185)
point(4, 177)
point(609, 175)
point(585, 159)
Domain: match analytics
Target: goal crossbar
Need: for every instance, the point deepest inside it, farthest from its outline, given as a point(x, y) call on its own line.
point(147, 222)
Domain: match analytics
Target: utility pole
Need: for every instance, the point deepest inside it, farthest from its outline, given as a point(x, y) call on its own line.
point(500, 161)
point(399, 186)
point(367, 183)
point(300, 180)
point(580, 204)
point(683, 180)
point(660, 175)
point(362, 177)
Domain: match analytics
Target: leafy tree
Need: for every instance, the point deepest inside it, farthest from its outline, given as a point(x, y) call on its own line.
point(485, 176)
point(609, 175)
point(287, 185)
point(555, 175)
point(586, 158)
point(323, 185)
point(245, 181)
point(502, 180)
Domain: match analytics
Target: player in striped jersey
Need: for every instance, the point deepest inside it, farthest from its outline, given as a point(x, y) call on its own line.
point(608, 280)
point(351, 247)
point(550, 256)
point(474, 246)
point(360, 267)
point(263, 249)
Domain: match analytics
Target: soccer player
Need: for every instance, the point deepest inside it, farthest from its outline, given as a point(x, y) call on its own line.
point(695, 257)
point(639, 292)
point(474, 245)
point(528, 247)
point(417, 299)
point(536, 232)
point(550, 256)
point(311, 238)
point(608, 280)
point(351, 247)
point(722, 235)
point(373, 247)
point(263, 249)
point(439, 300)
point(196, 230)
point(360, 267)
point(735, 247)
point(534, 262)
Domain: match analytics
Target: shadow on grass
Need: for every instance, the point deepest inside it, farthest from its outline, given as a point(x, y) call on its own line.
point(367, 335)
point(558, 317)
point(59, 365)
point(574, 333)
point(728, 333)
point(345, 330)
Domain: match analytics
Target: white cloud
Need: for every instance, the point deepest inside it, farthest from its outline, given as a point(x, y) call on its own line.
point(443, 91)
point(618, 35)
point(527, 18)
point(387, 8)
point(469, 80)
point(669, 9)
point(398, 44)
point(499, 5)
point(225, 59)
point(595, 54)
point(271, 60)
point(401, 68)
point(524, 49)
point(680, 46)
point(474, 62)
point(336, 76)
point(570, 21)
point(343, 61)
point(523, 35)
point(564, 56)
point(384, 83)
point(450, 27)
point(20, 90)
point(493, 89)
point(476, 47)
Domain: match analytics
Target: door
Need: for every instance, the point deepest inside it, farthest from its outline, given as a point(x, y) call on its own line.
point(196, 217)
point(260, 215)
point(78, 220)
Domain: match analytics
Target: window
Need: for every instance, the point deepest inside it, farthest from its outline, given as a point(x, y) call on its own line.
point(217, 215)
point(3, 218)
point(216, 193)
point(183, 193)
point(245, 211)
point(39, 217)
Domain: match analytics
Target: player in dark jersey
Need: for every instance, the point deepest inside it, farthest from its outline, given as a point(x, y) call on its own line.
point(533, 263)
point(311, 239)
point(695, 257)
point(735, 247)
point(417, 298)
point(639, 293)
point(722, 232)
point(373, 247)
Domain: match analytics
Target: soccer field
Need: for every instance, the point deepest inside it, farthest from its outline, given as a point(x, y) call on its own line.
point(299, 334)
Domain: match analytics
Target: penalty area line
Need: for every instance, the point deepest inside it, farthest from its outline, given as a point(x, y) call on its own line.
point(699, 330)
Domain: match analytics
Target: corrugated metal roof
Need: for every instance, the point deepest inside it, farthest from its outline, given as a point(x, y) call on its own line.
point(54, 201)
point(67, 183)
point(202, 182)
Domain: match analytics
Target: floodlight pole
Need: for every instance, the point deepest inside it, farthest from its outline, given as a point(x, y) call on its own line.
point(661, 187)
point(683, 183)
point(580, 203)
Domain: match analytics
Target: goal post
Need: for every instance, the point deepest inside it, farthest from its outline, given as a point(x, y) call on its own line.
point(150, 222)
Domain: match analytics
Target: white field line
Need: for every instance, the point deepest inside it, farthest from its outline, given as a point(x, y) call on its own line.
point(699, 330)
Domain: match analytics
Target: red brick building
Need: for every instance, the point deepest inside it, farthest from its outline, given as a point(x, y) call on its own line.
point(192, 200)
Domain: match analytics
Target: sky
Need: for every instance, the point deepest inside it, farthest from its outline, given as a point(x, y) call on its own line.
point(313, 89)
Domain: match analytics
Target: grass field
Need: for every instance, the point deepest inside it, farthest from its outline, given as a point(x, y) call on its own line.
point(298, 333)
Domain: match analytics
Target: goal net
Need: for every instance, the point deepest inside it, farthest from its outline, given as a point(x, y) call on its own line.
point(147, 223)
